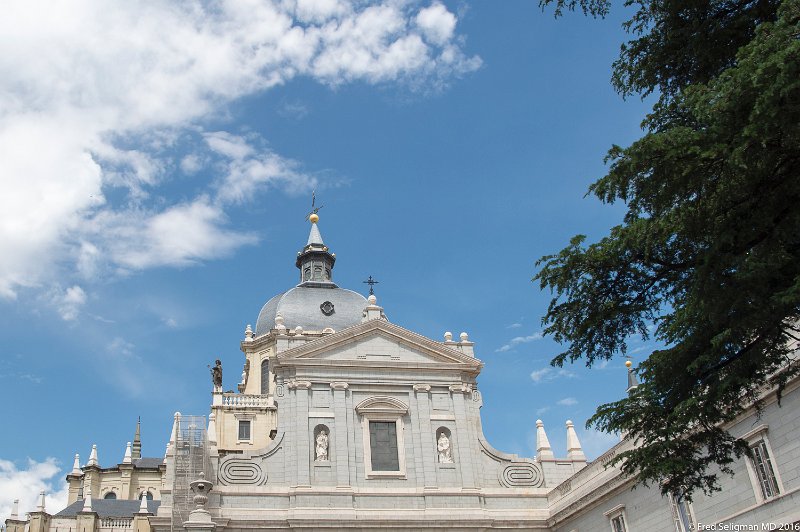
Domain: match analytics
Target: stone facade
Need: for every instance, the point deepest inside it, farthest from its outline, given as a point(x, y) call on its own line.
point(373, 426)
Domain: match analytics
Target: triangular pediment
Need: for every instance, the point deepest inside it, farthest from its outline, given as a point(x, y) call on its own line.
point(379, 343)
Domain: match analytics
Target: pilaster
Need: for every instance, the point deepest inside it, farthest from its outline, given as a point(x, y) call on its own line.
point(426, 446)
point(15, 525)
point(126, 474)
point(466, 466)
point(86, 521)
point(340, 435)
point(303, 393)
point(74, 482)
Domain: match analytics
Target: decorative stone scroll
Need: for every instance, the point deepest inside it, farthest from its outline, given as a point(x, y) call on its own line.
point(521, 474)
point(235, 471)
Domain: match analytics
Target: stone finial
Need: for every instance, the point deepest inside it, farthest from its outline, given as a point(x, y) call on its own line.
point(40, 506)
point(143, 504)
point(248, 333)
point(298, 330)
point(177, 420)
point(87, 499)
point(464, 337)
point(448, 336)
point(574, 449)
point(212, 428)
point(200, 489)
point(279, 323)
point(543, 449)
point(372, 311)
point(15, 510)
point(127, 458)
point(76, 465)
point(93, 457)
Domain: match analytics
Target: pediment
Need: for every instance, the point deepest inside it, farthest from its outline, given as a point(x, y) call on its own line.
point(379, 343)
point(382, 405)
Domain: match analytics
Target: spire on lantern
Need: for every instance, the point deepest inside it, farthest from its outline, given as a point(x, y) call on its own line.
point(315, 261)
point(633, 382)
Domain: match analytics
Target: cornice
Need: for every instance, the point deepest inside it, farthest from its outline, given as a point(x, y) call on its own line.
point(366, 329)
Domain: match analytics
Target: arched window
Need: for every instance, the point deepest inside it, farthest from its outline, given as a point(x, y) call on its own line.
point(110, 495)
point(318, 273)
point(307, 273)
point(146, 494)
point(265, 377)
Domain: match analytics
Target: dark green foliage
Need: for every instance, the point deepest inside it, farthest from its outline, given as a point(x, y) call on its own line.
point(709, 250)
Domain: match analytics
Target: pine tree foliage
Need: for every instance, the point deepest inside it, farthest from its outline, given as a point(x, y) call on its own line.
point(709, 250)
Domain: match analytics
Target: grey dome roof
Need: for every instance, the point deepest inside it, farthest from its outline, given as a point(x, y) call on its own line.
point(302, 306)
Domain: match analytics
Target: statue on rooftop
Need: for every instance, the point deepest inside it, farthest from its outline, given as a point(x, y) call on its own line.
point(216, 373)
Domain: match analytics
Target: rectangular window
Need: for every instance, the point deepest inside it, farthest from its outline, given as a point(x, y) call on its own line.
point(762, 464)
point(681, 513)
point(383, 446)
point(618, 523)
point(244, 430)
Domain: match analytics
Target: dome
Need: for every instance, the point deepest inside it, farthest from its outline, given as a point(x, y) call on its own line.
point(313, 308)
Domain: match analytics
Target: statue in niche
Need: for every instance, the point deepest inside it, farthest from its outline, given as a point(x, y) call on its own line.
point(443, 444)
point(216, 373)
point(322, 446)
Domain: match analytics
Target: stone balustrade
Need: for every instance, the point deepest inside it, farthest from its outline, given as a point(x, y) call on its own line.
point(240, 400)
point(115, 523)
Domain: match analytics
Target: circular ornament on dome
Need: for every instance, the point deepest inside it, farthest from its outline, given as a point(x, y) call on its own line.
point(327, 308)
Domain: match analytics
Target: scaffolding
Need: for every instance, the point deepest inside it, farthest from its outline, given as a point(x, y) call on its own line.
point(191, 459)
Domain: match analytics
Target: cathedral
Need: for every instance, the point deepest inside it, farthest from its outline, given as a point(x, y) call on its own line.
point(344, 420)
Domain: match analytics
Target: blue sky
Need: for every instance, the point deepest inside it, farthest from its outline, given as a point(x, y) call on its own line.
point(157, 163)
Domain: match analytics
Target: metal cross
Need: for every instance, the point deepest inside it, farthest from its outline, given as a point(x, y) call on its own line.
point(314, 209)
point(371, 282)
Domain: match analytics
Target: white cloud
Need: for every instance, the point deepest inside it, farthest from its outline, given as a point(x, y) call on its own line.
point(436, 23)
point(516, 325)
point(25, 485)
point(548, 374)
point(180, 235)
point(295, 110)
point(95, 94)
point(247, 169)
point(70, 302)
point(519, 340)
point(567, 401)
point(542, 410)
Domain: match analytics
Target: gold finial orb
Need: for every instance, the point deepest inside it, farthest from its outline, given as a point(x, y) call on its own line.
point(628, 363)
point(314, 218)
